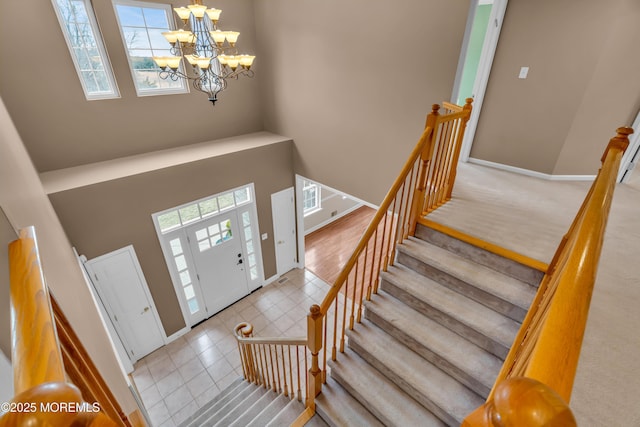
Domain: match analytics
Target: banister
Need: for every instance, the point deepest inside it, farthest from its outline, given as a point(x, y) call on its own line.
point(547, 347)
point(566, 321)
point(371, 228)
point(43, 396)
point(32, 326)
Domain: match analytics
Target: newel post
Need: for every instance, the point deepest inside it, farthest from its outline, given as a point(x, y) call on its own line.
point(421, 183)
point(620, 141)
point(314, 342)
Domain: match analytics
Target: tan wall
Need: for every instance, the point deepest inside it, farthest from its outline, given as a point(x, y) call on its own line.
point(24, 202)
point(104, 217)
point(7, 235)
point(582, 84)
point(351, 82)
point(60, 128)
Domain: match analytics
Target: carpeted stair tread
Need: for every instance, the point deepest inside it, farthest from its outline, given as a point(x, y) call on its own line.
point(391, 405)
point(503, 293)
point(339, 408)
point(270, 412)
point(288, 414)
point(434, 389)
point(465, 361)
point(216, 403)
point(231, 415)
point(483, 326)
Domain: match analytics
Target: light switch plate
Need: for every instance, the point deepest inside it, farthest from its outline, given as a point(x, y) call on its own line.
point(265, 236)
point(523, 72)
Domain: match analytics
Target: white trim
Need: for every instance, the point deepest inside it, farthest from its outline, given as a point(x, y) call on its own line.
point(104, 56)
point(482, 76)
point(632, 156)
point(145, 288)
point(333, 218)
point(180, 332)
point(531, 173)
point(271, 279)
point(184, 87)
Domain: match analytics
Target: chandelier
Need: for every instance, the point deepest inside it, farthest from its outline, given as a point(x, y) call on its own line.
point(211, 53)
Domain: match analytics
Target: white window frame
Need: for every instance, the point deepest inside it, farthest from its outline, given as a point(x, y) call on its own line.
point(184, 87)
point(113, 91)
point(308, 185)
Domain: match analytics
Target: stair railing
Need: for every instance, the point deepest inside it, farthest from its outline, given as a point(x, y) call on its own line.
point(424, 183)
point(534, 386)
point(43, 396)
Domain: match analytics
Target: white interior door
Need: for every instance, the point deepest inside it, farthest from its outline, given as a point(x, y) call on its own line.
point(631, 157)
point(122, 287)
point(284, 229)
point(483, 66)
point(216, 247)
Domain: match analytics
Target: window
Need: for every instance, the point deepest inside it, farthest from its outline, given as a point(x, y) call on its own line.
point(141, 27)
point(310, 197)
point(80, 30)
point(186, 214)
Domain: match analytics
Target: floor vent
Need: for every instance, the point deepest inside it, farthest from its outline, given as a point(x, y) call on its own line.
point(282, 280)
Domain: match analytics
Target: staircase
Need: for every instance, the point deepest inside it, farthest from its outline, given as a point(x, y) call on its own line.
point(244, 404)
point(434, 338)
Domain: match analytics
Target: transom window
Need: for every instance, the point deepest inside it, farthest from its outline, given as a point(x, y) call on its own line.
point(204, 208)
point(81, 33)
point(141, 27)
point(310, 197)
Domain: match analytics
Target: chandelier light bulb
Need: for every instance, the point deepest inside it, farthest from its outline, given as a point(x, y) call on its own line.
point(232, 37)
point(214, 15)
point(182, 12)
point(198, 10)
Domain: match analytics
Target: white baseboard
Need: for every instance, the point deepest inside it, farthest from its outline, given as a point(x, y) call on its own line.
point(531, 173)
point(333, 218)
point(174, 336)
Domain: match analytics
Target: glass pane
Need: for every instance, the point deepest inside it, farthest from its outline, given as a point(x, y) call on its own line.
point(214, 229)
point(252, 260)
point(155, 18)
point(181, 262)
point(208, 207)
point(188, 292)
point(193, 306)
point(168, 221)
point(189, 214)
point(157, 39)
point(250, 247)
point(130, 15)
point(185, 277)
point(176, 247)
point(226, 229)
point(79, 11)
point(254, 273)
point(247, 233)
point(147, 80)
point(201, 234)
point(242, 196)
point(246, 219)
point(204, 245)
point(225, 201)
point(135, 38)
point(216, 240)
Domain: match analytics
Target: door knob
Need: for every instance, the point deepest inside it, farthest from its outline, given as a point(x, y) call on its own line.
point(239, 262)
point(280, 242)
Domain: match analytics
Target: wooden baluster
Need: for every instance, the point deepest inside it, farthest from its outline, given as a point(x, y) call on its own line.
point(432, 121)
point(298, 371)
point(345, 306)
point(335, 327)
point(267, 380)
point(290, 370)
point(454, 162)
point(285, 383)
point(314, 327)
point(307, 381)
point(277, 368)
point(361, 296)
point(273, 370)
point(353, 296)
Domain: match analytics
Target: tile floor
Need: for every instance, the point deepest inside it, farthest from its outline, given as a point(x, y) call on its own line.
point(177, 379)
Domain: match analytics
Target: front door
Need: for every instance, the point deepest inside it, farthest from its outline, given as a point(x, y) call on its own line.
point(216, 246)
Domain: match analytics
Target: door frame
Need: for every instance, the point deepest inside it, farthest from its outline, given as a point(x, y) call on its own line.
point(250, 207)
point(105, 301)
point(287, 192)
point(489, 48)
point(631, 157)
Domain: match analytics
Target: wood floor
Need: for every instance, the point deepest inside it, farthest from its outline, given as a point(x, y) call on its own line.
point(328, 249)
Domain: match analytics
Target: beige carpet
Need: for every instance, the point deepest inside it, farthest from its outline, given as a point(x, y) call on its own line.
point(530, 215)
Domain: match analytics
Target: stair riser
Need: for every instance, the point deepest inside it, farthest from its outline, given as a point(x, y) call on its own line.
point(242, 407)
point(445, 320)
point(442, 363)
point(389, 373)
point(481, 256)
point(499, 305)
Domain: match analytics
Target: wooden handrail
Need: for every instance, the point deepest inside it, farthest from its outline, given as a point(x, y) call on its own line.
point(36, 353)
point(375, 221)
point(547, 347)
point(43, 395)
